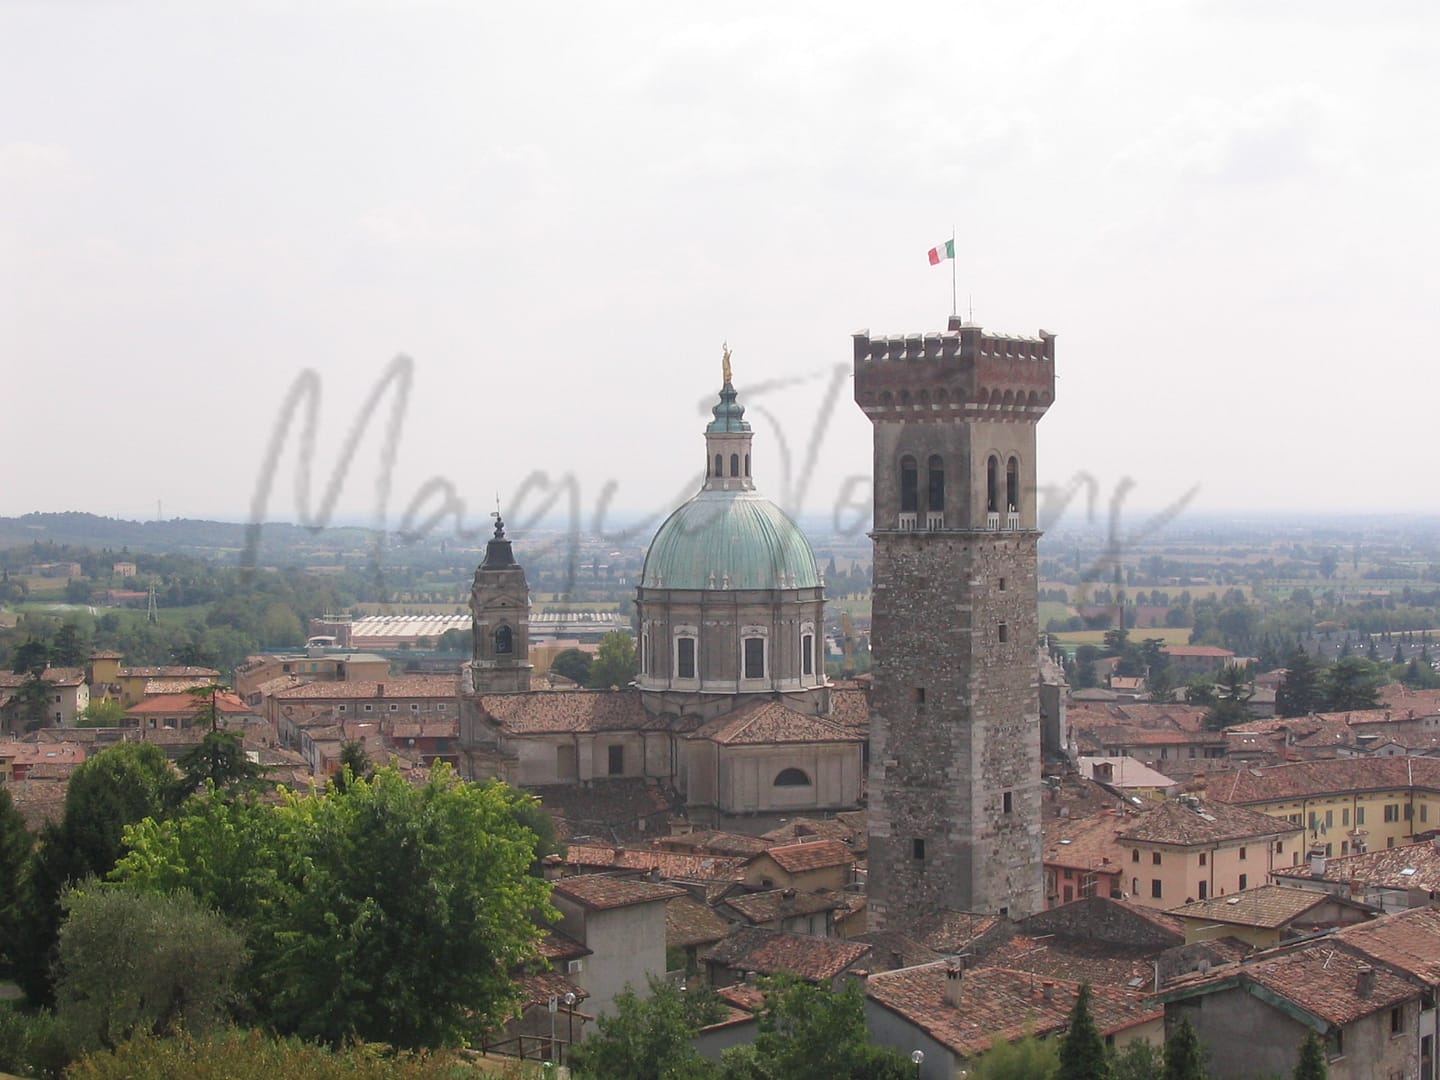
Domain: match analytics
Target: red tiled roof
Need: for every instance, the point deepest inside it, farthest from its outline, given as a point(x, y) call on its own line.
point(185, 704)
point(670, 865)
point(689, 922)
point(814, 855)
point(998, 1003)
point(405, 686)
point(1267, 907)
point(1172, 822)
point(1407, 940)
point(1091, 843)
point(1201, 651)
point(1407, 866)
point(171, 671)
point(564, 711)
point(764, 907)
point(1307, 779)
point(601, 893)
point(772, 952)
point(765, 722)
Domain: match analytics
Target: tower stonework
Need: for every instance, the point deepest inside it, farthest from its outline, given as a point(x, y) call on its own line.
point(955, 727)
point(500, 619)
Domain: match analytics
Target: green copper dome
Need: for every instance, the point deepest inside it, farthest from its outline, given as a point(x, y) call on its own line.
point(729, 540)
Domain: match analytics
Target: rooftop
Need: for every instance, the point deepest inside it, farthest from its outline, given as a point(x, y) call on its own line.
point(773, 952)
point(1409, 866)
point(1267, 907)
point(1205, 822)
point(812, 855)
point(600, 892)
point(404, 686)
point(775, 904)
point(766, 722)
point(568, 711)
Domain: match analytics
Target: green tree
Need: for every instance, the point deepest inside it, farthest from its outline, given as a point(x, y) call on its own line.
point(392, 913)
point(115, 788)
point(142, 963)
point(218, 760)
point(101, 712)
point(1082, 1050)
point(32, 703)
point(354, 765)
point(1312, 1064)
point(1161, 685)
point(1140, 1060)
point(69, 649)
point(1352, 684)
point(1184, 1059)
point(1029, 1058)
point(574, 665)
point(1299, 692)
point(648, 1038)
point(16, 843)
point(614, 663)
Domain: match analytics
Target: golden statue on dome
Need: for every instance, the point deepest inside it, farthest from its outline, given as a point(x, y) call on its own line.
point(725, 361)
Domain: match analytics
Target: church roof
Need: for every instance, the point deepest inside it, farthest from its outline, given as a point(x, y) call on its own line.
point(766, 722)
point(542, 712)
point(730, 540)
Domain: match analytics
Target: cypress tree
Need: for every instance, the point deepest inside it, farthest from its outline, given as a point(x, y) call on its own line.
point(1183, 1059)
point(1311, 1065)
point(1082, 1051)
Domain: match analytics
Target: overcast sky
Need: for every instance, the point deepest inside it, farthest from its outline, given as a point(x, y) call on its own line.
point(1226, 210)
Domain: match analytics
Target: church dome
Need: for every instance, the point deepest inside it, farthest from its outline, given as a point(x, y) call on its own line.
point(729, 539)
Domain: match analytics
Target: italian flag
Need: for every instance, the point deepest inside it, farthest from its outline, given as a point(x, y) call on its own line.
point(943, 252)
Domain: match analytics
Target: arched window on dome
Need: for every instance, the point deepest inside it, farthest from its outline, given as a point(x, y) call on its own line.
point(754, 657)
point(734, 464)
point(504, 641)
point(719, 465)
point(792, 778)
point(909, 485)
point(992, 485)
point(747, 465)
point(936, 467)
point(685, 662)
point(1012, 485)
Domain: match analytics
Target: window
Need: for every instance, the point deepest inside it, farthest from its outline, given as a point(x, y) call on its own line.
point(1359, 815)
point(1134, 886)
point(754, 658)
point(936, 468)
point(1202, 858)
point(917, 848)
point(504, 641)
point(1337, 1043)
point(414, 707)
point(340, 708)
point(1134, 854)
point(1242, 853)
point(734, 464)
point(909, 485)
point(369, 708)
point(747, 464)
point(1204, 889)
point(685, 658)
point(807, 654)
point(1008, 802)
point(1329, 850)
point(1155, 858)
point(645, 652)
point(1392, 812)
point(1424, 811)
point(617, 760)
point(919, 695)
point(792, 778)
point(1156, 889)
point(1345, 816)
point(1012, 485)
point(1329, 819)
point(394, 707)
point(1243, 880)
point(1279, 847)
point(992, 485)
point(1004, 633)
point(719, 465)
point(1002, 584)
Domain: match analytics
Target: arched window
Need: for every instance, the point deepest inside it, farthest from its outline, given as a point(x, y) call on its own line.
point(937, 484)
point(685, 658)
point(909, 486)
point(645, 653)
point(747, 464)
point(992, 485)
point(1012, 485)
point(719, 465)
point(792, 778)
point(807, 654)
point(734, 464)
point(754, 657)
point(504, 641)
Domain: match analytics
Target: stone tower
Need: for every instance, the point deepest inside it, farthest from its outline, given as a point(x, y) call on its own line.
point(955, 726)
point(500, 618)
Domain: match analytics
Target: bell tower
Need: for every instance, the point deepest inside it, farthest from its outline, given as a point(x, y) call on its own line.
point(500, 620)
point(955, 725)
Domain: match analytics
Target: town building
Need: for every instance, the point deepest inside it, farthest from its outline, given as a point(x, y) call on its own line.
point(954, 790)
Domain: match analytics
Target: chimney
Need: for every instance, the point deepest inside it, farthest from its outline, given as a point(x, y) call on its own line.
point(1317, 862)
point(954, 975)
point(1365, 980)
point(379, 689)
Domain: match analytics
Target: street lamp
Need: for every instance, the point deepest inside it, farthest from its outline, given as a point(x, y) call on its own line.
point(918, 1057)
point(570, 1000)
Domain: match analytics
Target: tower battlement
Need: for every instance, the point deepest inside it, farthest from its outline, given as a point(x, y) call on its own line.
point(960, 370)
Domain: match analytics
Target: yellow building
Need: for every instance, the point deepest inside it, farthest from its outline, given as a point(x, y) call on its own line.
point(1344, 805)
point(1189, 849)
point(1267, 915)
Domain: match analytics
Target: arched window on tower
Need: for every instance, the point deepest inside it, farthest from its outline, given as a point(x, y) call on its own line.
point(909, 485)
point(807, 654)
point(936, 467)
point(1012, 485)
point(719, 465)
point(992, 485)
point(504, 641)
point(734, 464)
point(747, 464)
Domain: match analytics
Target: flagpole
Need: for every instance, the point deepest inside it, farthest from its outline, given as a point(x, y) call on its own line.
point(954, 303)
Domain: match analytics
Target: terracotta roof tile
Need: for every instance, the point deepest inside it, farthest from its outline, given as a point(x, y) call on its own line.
point(952, 932)
point(714, 842)
point(1407, 940)
point(668, 865)
point(1172, 822)
point(999, 1003)
point(600, 892)
point(764, 907)
point(689, 922)
point(187, 704)
point(1307, 779)
point(1323, 980)
point(405, 686)
point(1266, 906)
point(1409, 866)
point(765, 722)
point(1089, 843)
point(564, 711)
point(555, 946)
point(813, 855)
point(169, 671)
point(772, 952)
